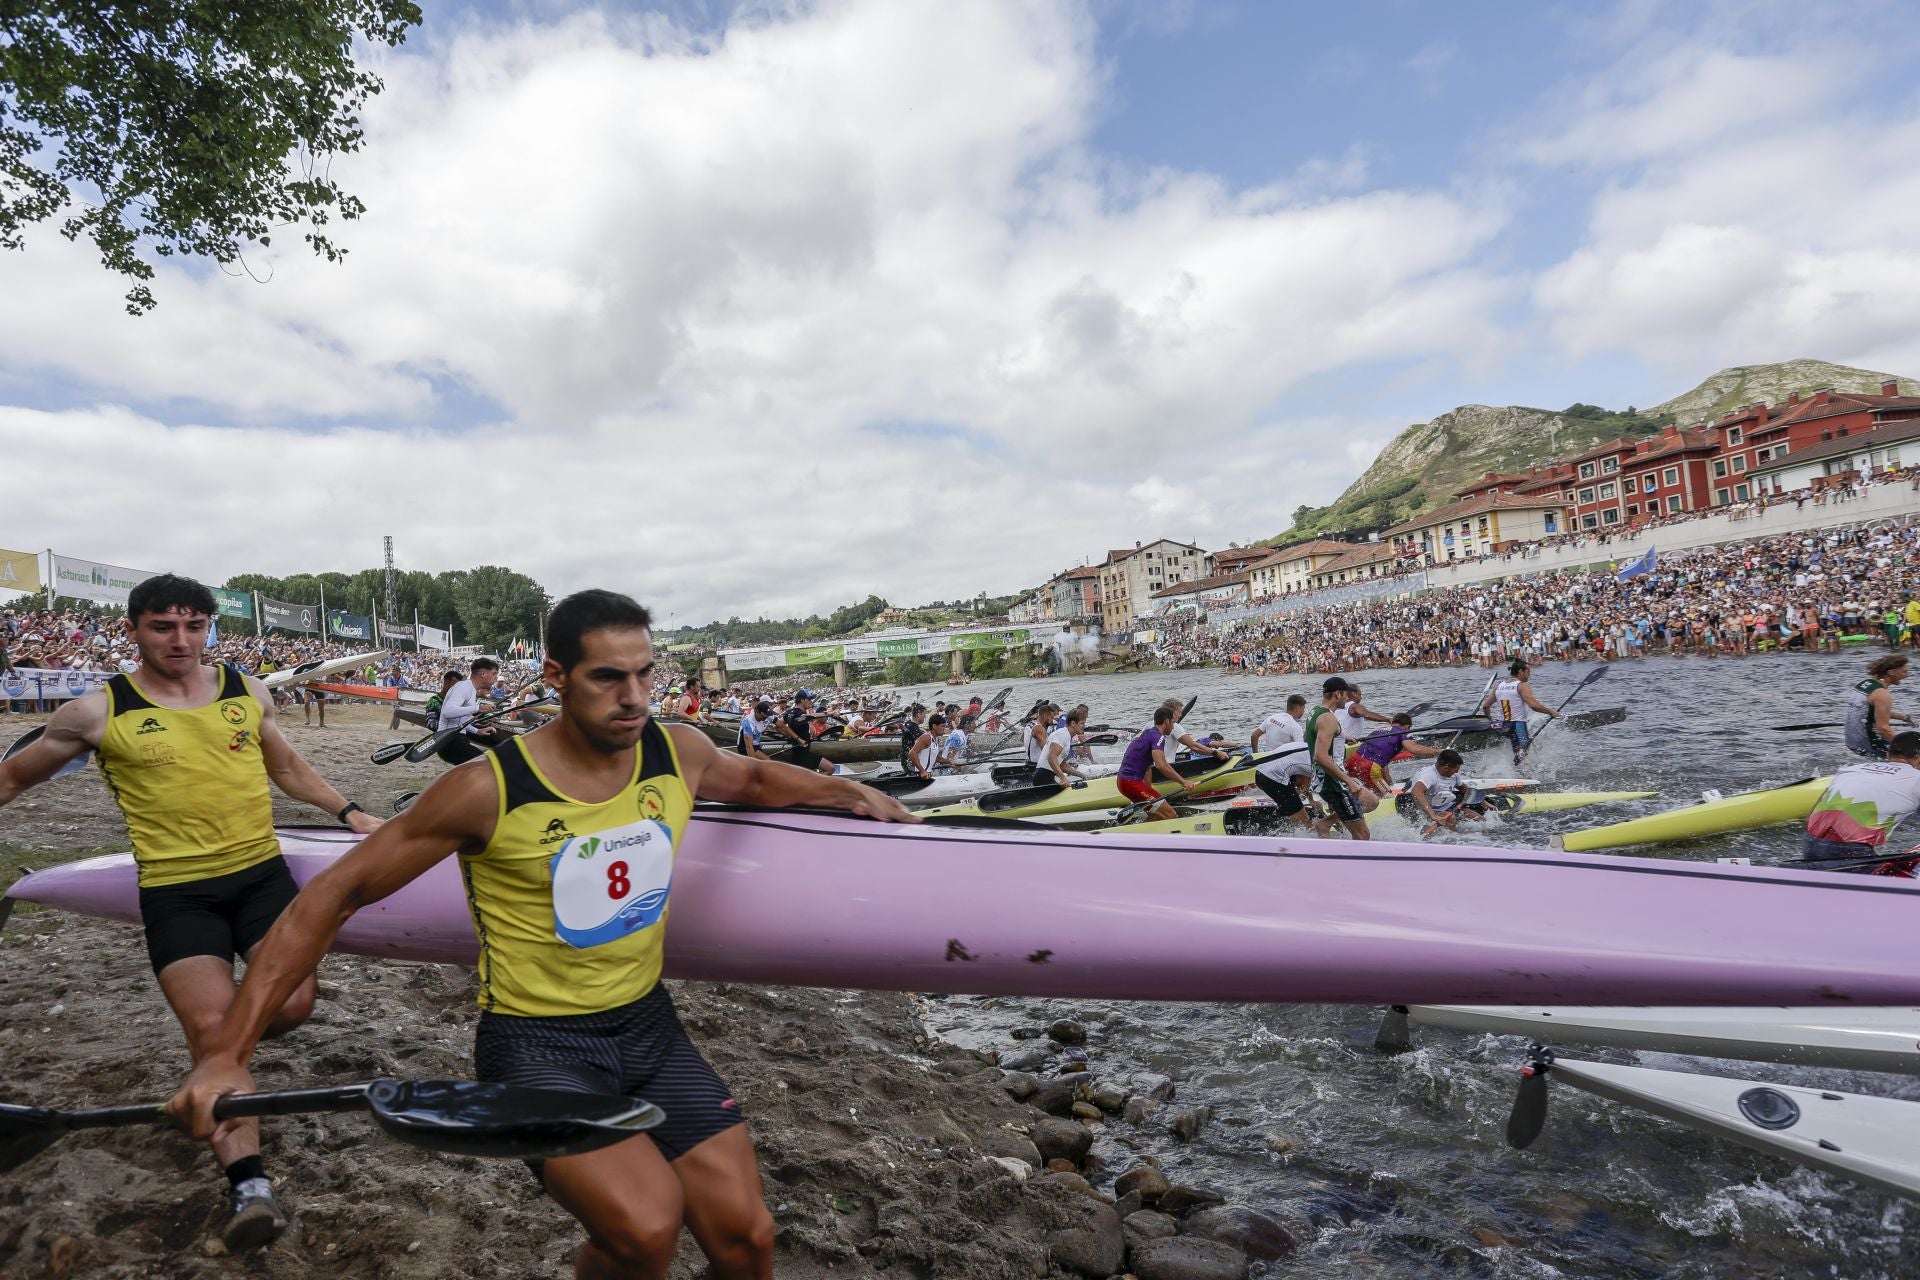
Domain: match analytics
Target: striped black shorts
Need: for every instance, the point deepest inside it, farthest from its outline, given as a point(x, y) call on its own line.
point(637, 1050)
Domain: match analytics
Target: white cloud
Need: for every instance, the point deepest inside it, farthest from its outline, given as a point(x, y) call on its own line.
point(694, 273)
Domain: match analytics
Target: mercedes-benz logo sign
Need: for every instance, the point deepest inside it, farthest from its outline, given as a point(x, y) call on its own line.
point(306, 617)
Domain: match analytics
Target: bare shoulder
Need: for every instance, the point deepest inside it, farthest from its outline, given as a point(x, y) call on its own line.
point(689, 742)
point(83, 718)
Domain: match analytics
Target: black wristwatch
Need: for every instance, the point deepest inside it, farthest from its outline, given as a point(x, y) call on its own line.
point(352, 807)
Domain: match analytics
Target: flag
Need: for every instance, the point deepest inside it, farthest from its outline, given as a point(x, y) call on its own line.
point(213, 634)
point(1634, 568)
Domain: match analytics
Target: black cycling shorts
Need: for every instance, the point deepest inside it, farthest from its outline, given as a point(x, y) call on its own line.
point(1340, 801)
point(1285, 796)
point(224, 916)
point(637, 1050)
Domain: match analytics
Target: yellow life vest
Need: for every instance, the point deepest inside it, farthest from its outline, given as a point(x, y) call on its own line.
point(191, 783)
point(569, 899)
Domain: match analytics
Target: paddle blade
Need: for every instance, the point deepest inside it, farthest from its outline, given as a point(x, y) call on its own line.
point(1603, 716)
point(1529, 1115)
point(389, 753)
point(427, 746)
point(25, 1132)
point(478, 1118)
point(405, 802)
point(1396, 1033)
point(1796, 728)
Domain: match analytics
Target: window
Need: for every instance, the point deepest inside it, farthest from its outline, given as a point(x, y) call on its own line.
point(1609, 465)
point(1740, 463)
point(1733, 435)
point(1741, 493)
point(1629, 485)
point(1606, 490)
point(1586, 471)
point(1633, 508)
point(1586, 495)
point(1673, 503)
point(1653, 482)
point(1671, 477)
point(1566, 495)
point(1719, 468)
point(1720, 497)
point(1589, 522)
point(1610, 516)
point(1552, 525)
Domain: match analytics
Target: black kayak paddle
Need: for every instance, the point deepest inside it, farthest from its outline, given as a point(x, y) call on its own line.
point(1592, 677)
point(463, 1117)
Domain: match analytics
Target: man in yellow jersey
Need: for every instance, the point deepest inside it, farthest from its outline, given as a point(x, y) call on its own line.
point(187, 751)
point(566, 838)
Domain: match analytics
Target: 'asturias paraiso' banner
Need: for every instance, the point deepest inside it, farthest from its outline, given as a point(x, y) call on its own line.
point(91, 580)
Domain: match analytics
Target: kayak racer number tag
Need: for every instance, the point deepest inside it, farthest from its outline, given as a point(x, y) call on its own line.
point(611, 883)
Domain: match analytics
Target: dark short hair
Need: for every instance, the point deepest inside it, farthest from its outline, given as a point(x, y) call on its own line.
point(1905, 745)
point(937, 717)
point(1449, 756)
point(586, 611)
point(1296, 700)
point(482, 664)
point(1163, 715)
point(1401, 717)
point(164, 591)
point(448, 679)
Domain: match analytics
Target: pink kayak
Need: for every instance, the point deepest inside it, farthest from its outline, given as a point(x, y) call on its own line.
point(822, 900)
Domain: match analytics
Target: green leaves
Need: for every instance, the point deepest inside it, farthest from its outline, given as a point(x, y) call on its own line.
point(182, 126)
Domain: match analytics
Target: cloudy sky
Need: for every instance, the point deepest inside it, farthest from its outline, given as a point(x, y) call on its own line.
point(757, 309)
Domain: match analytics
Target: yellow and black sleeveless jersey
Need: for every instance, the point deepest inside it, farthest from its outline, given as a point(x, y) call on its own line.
point(192, 784)
point(569, 899)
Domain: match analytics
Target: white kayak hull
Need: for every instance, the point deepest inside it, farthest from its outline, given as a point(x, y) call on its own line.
point(1856, 1039)
point(319, 670)
point(1874, 1141)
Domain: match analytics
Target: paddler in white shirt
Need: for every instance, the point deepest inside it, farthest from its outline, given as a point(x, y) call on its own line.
point(1437, 793)
point(1506, 706)
point(1060, 742)
point(1284, 780)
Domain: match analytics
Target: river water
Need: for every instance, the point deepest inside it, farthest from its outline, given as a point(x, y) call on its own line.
point(1401, 1162)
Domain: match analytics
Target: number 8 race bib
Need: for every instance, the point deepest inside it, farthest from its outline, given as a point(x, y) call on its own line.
point(612, 883)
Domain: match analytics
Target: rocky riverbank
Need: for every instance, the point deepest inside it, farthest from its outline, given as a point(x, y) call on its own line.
point(885, 1152)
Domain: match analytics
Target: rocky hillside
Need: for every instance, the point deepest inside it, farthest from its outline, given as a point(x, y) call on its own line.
point(1424, 464)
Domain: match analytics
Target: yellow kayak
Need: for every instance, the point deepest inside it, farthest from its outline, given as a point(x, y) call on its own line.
point(1206, 777)
point(1236, 819)
point(1750, 809)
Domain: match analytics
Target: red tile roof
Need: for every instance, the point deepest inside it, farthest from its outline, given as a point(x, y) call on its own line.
point(1471, 507)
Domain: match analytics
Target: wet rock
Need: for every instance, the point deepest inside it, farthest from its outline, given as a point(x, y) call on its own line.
point(1147, 1224)
point(1062, 1140)
point(1057, 1096)
point(1110, 1098)
point(1028, 1033)
point(1189, 1121)
point(958, 1067)
point(1093, 1245)
point(1075, 1183)
point(1180, 1199)
point(1002, 1142)
point(1020, 1085)
point(1057, 1165)
point(1086, 1111)
point(1159, 1088)
point(1185, 1258)
point(1138, 1109)
point(1067, 1031)
point(1146, 1180)
point(1280, 1143)
point(1071, 1065)
point(1032, 1058)
point(1128, 1204)
point(1248, 1230)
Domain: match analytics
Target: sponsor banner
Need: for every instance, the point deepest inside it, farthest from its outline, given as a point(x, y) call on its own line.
point(19, 570)
point(907, 647)
point(1233, 593)
point(91, 580)
point(992, 639)
point(933, 644)
point(38, 684)
point(233, 604)
point(342, 625)
point(465, 651)
point(289, 617)
point(861, 650)
point(395, 630)
point(434, 637)
point(807, 655)
point(756, 659)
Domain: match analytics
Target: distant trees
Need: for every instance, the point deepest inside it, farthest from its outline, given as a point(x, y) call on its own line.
point(490, 606)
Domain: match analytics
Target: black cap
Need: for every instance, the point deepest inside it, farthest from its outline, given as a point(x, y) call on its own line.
point(1334, 684)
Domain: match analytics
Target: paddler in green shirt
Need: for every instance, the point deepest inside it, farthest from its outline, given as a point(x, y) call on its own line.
point(1893, 624)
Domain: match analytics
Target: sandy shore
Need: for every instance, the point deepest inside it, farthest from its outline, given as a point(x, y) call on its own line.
point(878, 1147)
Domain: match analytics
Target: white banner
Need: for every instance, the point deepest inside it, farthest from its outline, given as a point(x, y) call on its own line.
point(434, 638)
point(90, 580)
point(934, 644)
point(756, 659)
point(38, 684)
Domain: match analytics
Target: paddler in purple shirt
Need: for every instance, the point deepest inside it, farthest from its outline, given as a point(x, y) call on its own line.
point(1368, 762)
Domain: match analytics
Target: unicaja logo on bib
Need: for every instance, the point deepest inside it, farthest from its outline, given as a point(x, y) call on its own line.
point(611, 884)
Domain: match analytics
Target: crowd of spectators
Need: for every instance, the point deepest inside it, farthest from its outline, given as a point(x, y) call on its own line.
point(1764, 595)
